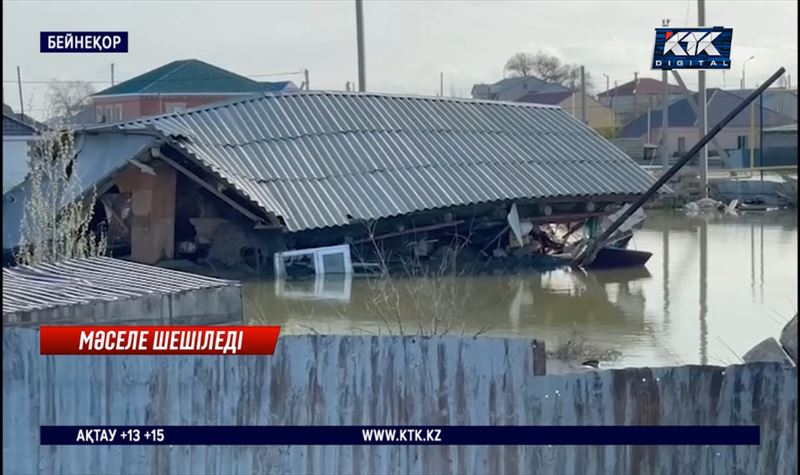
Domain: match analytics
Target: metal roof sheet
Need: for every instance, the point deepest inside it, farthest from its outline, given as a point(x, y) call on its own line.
point(321, 159)
point(83, 281)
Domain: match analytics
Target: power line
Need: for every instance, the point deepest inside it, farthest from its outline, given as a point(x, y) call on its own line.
point(134, 80)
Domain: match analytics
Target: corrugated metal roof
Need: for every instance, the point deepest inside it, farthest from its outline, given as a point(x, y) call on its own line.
point(82, 281)
point(321, 159)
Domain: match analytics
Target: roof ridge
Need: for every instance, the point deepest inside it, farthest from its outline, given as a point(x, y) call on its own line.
point(173, 71)
point(280, 95)
point(425, 166)
point(375, 131)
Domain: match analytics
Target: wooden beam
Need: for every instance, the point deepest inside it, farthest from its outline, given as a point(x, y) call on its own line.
point(256, 219)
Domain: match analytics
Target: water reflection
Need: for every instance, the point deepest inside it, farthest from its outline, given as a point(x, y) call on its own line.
point(321, 287)
point(697, 309)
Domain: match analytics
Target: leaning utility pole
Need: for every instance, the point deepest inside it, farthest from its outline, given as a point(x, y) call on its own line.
point(701, 119)
point(664, 115)
point(588, 250)
point(583, 96)
point(362, 74)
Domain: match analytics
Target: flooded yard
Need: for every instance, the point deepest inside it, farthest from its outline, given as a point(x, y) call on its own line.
point(714, 287)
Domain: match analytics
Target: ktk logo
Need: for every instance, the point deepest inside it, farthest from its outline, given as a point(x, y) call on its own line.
point(696, 43)
point(693, 48)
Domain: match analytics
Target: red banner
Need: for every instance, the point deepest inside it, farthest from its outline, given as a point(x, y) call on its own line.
point(158, 340)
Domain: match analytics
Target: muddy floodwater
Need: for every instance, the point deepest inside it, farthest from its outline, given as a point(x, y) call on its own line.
point(714, 287)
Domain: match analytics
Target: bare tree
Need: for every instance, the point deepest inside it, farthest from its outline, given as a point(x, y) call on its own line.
point(521, 65)
point(57, 216)
point(548, 68)
point(67, 98)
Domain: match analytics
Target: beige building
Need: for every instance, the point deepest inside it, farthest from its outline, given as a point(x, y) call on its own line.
point(598, 116)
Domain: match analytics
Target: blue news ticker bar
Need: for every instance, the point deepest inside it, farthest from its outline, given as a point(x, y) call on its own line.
point(411, 435)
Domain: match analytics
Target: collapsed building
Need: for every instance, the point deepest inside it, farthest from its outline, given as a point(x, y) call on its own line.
point(361, 179)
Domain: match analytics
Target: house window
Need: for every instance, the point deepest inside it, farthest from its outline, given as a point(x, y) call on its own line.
point(741, 142)
point(118, 112)
point(171, 107)
point(681, 144)
point(109, 114)
point(99, 114)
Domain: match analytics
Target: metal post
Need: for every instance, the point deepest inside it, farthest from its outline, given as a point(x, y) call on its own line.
point(704, 291)
point(649, 109)
point(305, 78)
point(112, 74)
point(362, 74)
point(664, 115)
point(611, 100)
point(761, 135)
point(701, 122)
point(583, 95)
point(752, 138)
point(441, 84)
point(21, 105)
point(665, 271)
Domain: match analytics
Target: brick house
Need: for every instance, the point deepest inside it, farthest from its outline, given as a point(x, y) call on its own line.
point(176, 86)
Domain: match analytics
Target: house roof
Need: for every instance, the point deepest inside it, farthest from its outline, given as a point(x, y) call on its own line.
point(320, 159)
point(192, 76)
point(550, 98)
point(534, 84)
point(89, 280)
point(21, 119)
point(720, 104)
point(641, 87)
point(781, 100)
point(13, 126)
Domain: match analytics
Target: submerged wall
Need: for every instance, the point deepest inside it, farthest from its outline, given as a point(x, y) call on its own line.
point(333, 380)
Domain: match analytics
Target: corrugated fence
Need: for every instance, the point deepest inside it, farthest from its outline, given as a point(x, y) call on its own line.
point(333, 380)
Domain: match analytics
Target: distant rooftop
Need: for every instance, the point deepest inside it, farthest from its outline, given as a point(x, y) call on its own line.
point(550, 98)
point(641, 87)
point(192, 76)
point(720, 104)
point(19, 124)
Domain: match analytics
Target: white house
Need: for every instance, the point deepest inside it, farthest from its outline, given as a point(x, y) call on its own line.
point(17, 137)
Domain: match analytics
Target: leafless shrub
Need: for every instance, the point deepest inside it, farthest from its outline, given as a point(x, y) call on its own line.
point(434, 296)
point(575, 347)
point(56, 219)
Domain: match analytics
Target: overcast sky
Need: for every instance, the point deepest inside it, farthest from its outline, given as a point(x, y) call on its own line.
point(408, 43)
